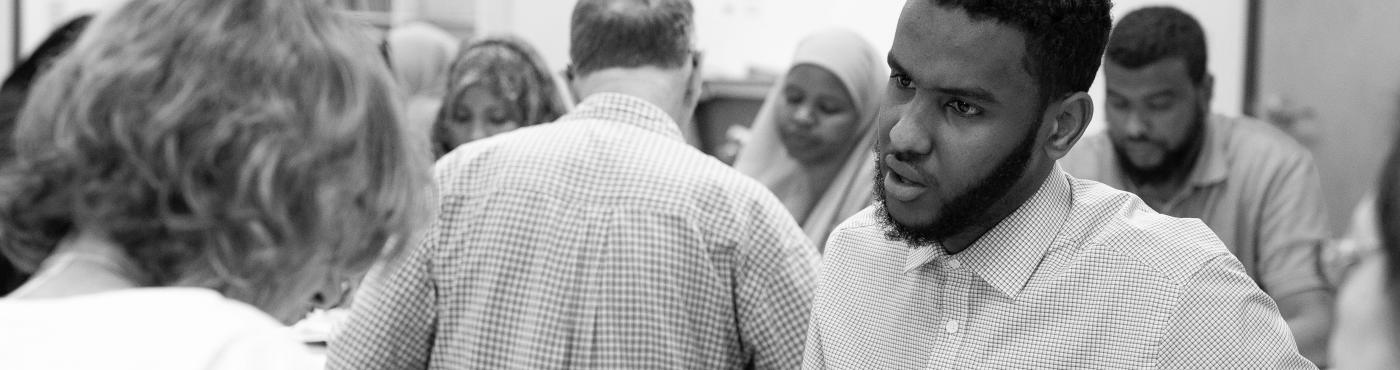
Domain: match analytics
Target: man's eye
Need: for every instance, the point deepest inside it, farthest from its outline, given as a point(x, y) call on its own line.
point(902, 81)
point(963, 108)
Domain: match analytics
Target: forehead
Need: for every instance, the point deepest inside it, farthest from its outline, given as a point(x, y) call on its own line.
point(1160, 75)
point(812, 77)
point(944, 46)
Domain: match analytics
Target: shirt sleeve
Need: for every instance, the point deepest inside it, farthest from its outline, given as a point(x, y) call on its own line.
point(1225, 321)
point(1292, 230)
point(392, 322)
point(775, 281)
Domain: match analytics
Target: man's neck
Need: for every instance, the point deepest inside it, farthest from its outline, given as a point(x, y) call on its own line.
point(999, 210)
point(666, 88)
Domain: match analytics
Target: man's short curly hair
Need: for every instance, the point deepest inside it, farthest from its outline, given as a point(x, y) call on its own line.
point(1064, 38)
point(1155, 33)
point(221, 143)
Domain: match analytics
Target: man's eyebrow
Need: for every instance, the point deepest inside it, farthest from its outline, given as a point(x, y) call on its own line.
point(975, 93)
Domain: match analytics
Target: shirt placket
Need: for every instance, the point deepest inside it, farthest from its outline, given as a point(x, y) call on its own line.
point(952, 324)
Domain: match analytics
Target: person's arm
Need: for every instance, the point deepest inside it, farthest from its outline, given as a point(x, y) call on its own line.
point(1224, 321)
point(392, 322)
point(1293, 228)
point(775, 277)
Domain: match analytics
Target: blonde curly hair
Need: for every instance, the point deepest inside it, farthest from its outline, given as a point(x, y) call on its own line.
point(226, 144)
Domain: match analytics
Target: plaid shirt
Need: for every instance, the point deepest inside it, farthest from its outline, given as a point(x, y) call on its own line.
point(599, 241)
point(1081, 276)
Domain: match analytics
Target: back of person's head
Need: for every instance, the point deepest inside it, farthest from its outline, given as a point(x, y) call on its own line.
point(240, 145)
point(1157, 33)
point(630, 34)
point(1064, 39)
point(15, 89)
point(512, 71)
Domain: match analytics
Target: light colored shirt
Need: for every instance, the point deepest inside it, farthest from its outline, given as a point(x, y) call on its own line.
point(1365, 336)
point(599, 241)
point(1255, 186)
point(1080, 276)
point(145, 328)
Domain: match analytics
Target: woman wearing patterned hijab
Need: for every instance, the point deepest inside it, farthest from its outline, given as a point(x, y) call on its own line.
point(496, 84)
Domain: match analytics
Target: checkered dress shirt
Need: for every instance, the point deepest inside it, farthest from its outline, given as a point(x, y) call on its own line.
point(1081, 276)
point(599, 241)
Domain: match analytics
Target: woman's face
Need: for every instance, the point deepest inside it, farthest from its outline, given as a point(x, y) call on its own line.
point(478, 114)
point(817, 118)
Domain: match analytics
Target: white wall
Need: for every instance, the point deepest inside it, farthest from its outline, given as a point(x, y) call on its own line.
point(743, 35)
point(544, 23)
point(735, 35)
point(41, 16)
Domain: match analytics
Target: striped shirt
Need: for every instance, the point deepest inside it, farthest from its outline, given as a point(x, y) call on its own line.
point(599, 241)
point(1080, 276)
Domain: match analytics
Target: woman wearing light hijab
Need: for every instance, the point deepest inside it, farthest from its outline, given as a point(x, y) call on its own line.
point(812, 137)
point(419, 54)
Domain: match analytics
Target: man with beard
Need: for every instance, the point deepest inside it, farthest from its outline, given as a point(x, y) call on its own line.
point(982, 253)
point(1249, 182)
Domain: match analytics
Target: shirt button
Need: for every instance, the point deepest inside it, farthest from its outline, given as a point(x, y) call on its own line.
point(951, 327)
point(954, 264)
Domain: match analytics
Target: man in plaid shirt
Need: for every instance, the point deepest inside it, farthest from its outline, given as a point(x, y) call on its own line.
point(601, 240)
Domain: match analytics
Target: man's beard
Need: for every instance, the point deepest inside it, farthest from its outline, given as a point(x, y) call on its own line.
point(1174, 161)
point(964, 209)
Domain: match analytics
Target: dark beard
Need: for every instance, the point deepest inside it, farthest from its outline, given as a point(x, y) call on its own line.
point(964, 209)
point(1176, 160)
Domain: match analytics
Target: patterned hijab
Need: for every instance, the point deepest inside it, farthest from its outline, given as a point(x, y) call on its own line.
point(512, 70)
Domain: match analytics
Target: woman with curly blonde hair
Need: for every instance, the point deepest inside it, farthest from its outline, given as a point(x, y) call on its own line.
point(496, 84)
point(194, 172)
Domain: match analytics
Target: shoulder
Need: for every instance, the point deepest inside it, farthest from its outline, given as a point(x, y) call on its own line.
point(1119, 222)
point(1254, 143)
point(163, 327)
point(861, 239)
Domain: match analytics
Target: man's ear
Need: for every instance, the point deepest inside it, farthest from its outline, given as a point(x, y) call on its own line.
point(1207, 87)
point(570, 78)
point(1069, 118)
point(696, 81)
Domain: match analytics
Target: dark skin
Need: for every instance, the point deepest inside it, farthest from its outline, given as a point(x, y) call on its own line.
point(959, 103)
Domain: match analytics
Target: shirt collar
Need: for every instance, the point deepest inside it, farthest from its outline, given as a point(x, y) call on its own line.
point(1211, 167)
point(1009, 253)
point(629, 110)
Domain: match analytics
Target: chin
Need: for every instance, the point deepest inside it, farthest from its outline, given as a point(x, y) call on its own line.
point(905, 214)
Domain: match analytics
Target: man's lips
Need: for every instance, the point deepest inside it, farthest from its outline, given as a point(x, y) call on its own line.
point(902, 182)
point(906, 172)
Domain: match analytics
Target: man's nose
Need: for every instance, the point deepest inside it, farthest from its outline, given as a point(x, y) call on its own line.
point(1135, 126)
point(909, 138)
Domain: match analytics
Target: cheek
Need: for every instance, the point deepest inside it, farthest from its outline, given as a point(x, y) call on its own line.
point(502, 128)
point(458, 133)
point(838, 127)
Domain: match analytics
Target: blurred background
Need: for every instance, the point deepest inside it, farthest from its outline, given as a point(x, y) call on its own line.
point(1327, 72)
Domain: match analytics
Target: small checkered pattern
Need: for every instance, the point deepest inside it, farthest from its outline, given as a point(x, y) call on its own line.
point(1082, 276)
point(599, 241)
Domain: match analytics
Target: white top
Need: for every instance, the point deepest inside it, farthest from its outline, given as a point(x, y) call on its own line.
point(145, 328)
point(1081, 276)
